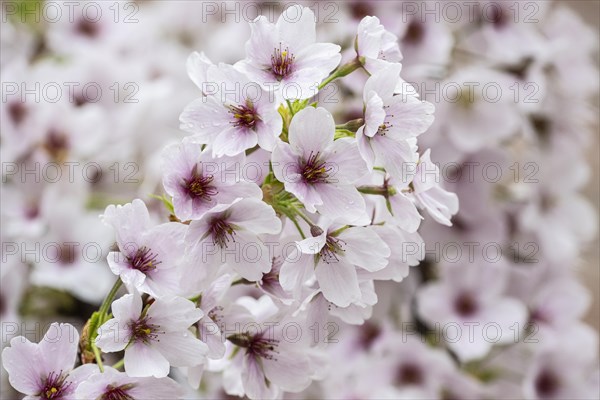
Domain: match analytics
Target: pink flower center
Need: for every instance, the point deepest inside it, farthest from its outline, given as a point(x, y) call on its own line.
point(222, 232)
point(547, 384)
point(257, 345)
point(143, 331)
point(117, 392)
point(314, 170)
point(281, 62)
point(199, 186)
point(244, 116)
point(55, 386)
point(333, 247)
point(409, 374)
point(17, 112)
point(144, 260)
point(465, 305)
point(57, 145)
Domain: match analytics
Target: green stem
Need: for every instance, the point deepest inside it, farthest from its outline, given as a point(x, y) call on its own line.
point(352, 125)
point(119, 364)
point(377, 190)
point(108, 300)
point(340, 230)
point(298, 227)
point(98, 356)
point(103, 312)
point(342, 71)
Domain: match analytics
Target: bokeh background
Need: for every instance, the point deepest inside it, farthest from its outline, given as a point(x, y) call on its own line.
point(151, 55)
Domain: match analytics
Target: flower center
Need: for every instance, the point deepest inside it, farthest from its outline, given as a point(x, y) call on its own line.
point(222, 232)
point(144, 260)
point(281, 62)
point(67, 254)
point(465, 305)
point(55, 386)
point(17, 112)
point(244, 115)
point(414, 33)
point(409, 374)
point(315, 170)
point(333, 247)
point(57, 145)
point(199, 186)
point(547, 384)
point(257, 346)
point(143, 331)
point(117, 392)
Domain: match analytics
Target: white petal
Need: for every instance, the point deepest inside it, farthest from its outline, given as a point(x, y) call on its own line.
point(311, 130)
point(338, 282)
point(143, 360)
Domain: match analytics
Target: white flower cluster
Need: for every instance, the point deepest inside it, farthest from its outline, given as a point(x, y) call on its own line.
point(314, 228)
point(295, 200)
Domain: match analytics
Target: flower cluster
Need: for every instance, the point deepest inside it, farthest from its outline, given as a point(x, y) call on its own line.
point(314, 227)
point(304, 239)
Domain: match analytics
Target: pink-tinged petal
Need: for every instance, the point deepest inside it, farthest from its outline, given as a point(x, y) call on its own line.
point(285, 163)
point(194, 375)
point(25, 365)
point(290, 370)
point(263, 39)
point(205, 118)
point(113, 335)
point(197, 65)
point(364, 248)
point(162, 313)
point(321, 57)
point(182, 349)
point(311, 130)
point(234, 140)
point(369, 35)
point(440, 204)
point(313, 244)
point(405, 213)
point(253, 380)
point(301, 84)
point(156, 389)
point(248, 256)
point(364, 147)
point(82, 374)
point(297, 27)
point(268, 131)
point(241, 190)
point(397, 157)
point(382, 83)
point(338, 282)
point(127, 220)
point(374, 114)
point(59, 347)
point(343, 158)
point(255, 216)
point(408, 116)
point(128, 307)
point(296, 270)
point(343, 203)
point(307, 194)
point(212, 336)
point(216, 291)
point(119, 265)
point(142, 360)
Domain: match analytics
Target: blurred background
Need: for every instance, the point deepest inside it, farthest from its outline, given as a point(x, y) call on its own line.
point(122, 83)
